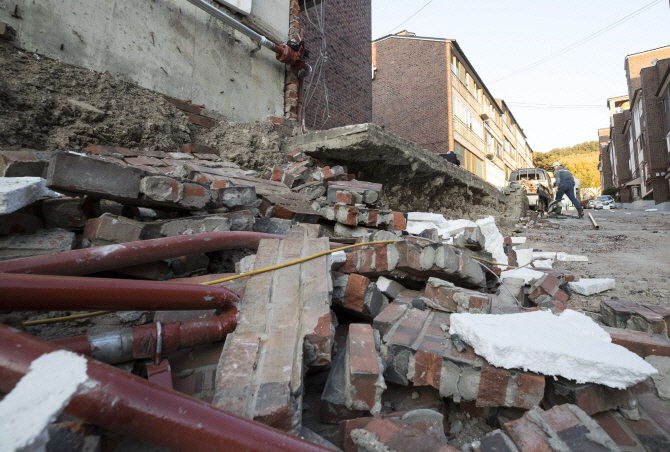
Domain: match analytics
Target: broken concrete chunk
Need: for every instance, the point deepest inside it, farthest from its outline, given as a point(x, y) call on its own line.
point(43, 242)
point(237, 196)
point(528, 275)
point(591, 286)
point(389, 287)
point(565, 257)
point(18, 192)
point(79, 174)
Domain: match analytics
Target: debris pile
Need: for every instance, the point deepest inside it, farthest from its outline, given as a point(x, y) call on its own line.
point(356, 293)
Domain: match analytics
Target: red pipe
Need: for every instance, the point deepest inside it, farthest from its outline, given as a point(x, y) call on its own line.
point(110, 257)
point(126, 404)
point(124, 345)
point(48, 292)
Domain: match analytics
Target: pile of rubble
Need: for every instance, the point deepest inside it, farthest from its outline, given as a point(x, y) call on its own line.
point(422, 334)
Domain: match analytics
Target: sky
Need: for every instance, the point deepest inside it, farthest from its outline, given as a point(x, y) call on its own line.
point(500, 37)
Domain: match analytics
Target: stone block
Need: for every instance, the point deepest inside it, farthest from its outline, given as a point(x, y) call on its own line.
point(79, 174)
point(22, 163)
point(19, 192)
point(49, 241)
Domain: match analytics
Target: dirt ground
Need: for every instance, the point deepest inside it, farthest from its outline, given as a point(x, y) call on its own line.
point(631, 246)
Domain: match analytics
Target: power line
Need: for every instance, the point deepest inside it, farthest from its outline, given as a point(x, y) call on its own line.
point(536, 105)
point(429, 2)
point(580, 42)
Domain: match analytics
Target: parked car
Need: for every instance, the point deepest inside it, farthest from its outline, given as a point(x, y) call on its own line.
point(594, 204)
point(607, 200)
point(530, 179)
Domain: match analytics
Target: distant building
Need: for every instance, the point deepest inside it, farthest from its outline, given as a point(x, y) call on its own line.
point(425, 90)
point(605, 161)
point(641, 164)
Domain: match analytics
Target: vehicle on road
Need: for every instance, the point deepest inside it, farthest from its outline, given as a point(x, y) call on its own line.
point(594, 204)
point(607, 200)
point(530, 179)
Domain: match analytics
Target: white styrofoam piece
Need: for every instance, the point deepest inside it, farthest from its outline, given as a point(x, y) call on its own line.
point(417, 227)
point(543, 263)
point(38, 397)
point(651, 210)
point(18, 192)
point(524, 257)
point(493, 239)
point(389, 287)
point(591, 286)
point(519, 240)
point(435, 218)
point(571, 345)
point(565, 257)
point(544, 255)
point(528, 275)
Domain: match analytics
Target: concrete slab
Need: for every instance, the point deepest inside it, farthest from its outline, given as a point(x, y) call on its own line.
point(382, 157)
point(18, 192)
point(591, 286)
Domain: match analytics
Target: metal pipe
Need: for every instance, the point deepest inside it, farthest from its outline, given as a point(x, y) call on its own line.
point(593, 221)
point(215, 12)
point(140, 342)
point(110, 257)
point(128, 405)
point(47, 292)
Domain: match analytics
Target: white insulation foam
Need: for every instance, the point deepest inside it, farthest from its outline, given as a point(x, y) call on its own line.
point(38, 398)
point(570, 345)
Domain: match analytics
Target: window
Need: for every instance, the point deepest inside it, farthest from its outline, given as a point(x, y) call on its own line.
point(454, 66)
point(667, 142)
point(499, 149)
point(508, 147)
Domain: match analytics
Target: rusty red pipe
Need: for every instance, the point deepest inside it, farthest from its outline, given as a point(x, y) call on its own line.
point(48, 292)
point(126, 344)
point(110, 257)
point(126, 404)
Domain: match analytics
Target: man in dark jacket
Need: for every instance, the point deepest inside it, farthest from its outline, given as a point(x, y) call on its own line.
point(565, 184)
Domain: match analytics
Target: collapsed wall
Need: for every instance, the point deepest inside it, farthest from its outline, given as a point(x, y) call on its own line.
point(413, 178)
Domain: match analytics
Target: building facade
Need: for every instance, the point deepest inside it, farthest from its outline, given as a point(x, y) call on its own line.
point(605, 161)
point(440, 102)
point(339, 93)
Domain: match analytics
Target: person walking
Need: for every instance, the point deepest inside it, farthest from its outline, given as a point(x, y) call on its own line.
point(565, 184)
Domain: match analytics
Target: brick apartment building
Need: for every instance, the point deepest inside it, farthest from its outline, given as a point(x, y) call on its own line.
point(346, 75)
point(440, 102)
point(639, 127)
point(604, 160)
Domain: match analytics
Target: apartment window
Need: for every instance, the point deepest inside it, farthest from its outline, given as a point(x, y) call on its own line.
point(667, 142)
point(467, 80)
point(508, 147)
point(454, 66)
point(504, 117)
point(479, 167)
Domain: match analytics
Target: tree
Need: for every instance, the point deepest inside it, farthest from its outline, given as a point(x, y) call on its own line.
point(581, 159)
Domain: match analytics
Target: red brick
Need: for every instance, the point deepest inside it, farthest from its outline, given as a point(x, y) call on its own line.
point(346, 427)
point(384, 429)
point(363, 369)
point(639, 342)
point(350, 264)
point(199, 148)
point(366, 260)
point(656, 408)
point(560, 418)
point(492, 387)
point(527, 436)
point(201, 121)
point(381, 260)
point(355, 292)
point(327, 174)
point(185, 106)
point(388, 317)
point(608, 422)
point(399, 221)
point(277, 174)
point(529, 390)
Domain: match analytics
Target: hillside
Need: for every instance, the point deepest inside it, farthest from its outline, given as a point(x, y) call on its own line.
point(580, 159)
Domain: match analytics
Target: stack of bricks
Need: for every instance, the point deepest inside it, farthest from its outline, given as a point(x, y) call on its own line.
point(546, 293)
point(418, 259)
point(563, 428)
point(419, 350)
point(363, 381)
point(628, 314)
point(445, 296)
point(261, 368)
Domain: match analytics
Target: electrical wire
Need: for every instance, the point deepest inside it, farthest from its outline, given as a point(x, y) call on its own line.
point(317, 82)
point(209, 283)
point(580, 42)
point(410, 17)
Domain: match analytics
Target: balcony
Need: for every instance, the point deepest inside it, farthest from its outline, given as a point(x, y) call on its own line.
point(494, 128)
point(469, 135)
point(466, 93)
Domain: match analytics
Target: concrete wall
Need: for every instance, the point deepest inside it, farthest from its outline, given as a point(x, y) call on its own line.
point(169, 46)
